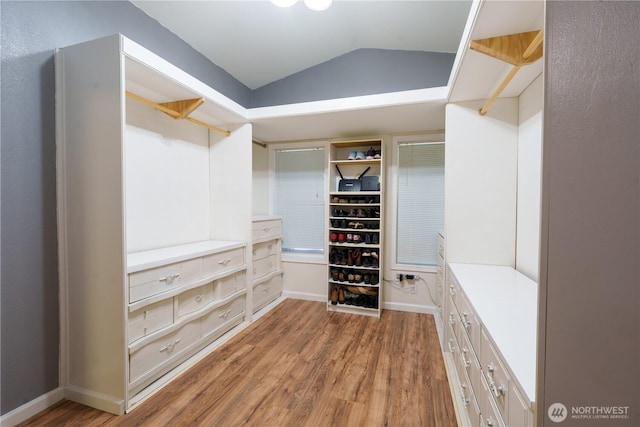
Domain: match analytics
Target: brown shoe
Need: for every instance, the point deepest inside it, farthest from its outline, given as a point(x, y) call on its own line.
point(334, 295)
point(341, 295)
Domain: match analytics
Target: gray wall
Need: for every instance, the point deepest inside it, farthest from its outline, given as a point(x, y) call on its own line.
point(30, 33)
point(590, 249)
point(361, 72)
point(29, 293)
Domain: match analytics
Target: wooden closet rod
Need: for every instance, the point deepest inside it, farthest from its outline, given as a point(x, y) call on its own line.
point(517, 49)
point(185, 106)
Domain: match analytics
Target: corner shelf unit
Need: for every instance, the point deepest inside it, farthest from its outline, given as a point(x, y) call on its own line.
point(355, 229)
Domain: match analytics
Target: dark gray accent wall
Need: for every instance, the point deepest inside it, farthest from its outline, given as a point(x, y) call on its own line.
point(589, 345)
point(360, 72)
point(29, 294)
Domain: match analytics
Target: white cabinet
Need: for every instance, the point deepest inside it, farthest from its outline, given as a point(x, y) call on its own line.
point(152, 238)
point(355, 229)
point(266, 260)
point(490, 329)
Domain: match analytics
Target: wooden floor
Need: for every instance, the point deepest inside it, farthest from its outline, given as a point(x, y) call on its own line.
point(300, 366)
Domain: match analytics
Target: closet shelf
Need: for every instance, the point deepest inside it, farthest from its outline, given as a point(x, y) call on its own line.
point(516, 49)
point(179, 110)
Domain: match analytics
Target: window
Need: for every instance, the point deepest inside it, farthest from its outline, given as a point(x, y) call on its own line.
point(420, 202)
point(299, 189)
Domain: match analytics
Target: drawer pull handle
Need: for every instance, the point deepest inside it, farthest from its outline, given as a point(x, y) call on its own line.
point(224, 262)
point(498, 391)
point(198, 298)
point(465, 362)
point(490, 421)
point(169, 278)
point(225, 314)
point(451, 347)
point(452, 319)
point(169, 347)
point(266, 288)
point(266, 229)
point(465, 322)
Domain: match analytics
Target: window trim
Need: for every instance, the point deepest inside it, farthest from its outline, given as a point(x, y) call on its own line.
point(302, 145)
point(392, 218)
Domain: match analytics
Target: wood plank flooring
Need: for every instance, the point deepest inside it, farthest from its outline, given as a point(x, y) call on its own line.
point(300, 366)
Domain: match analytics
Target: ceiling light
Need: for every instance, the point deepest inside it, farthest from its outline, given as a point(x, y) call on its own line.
point(318, 5)
point(284, 3)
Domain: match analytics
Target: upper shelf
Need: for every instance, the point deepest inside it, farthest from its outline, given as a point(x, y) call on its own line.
point(475, 75)
point(151, 77)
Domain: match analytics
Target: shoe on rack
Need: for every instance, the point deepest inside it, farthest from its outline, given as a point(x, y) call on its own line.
point(367, 278)
point(360, 155)
point(371, 153)
point(342, 237)
point(335, 274)
point(378, 154)
point(334, 295)
point(333, 237)
point(341, 297)
point(374, 279)
point(352, 155)
point(375, 239)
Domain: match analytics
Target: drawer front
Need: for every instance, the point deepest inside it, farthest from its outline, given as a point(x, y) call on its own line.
point(498, 380)
point(469, 361)
point(264, 229)
point(194, 299)
point(491, 415)
point(265, 249)
point(163, 350)
point(519, 412)
point(219, 317)
point(219, 262)
point(146, 283)
point(267, 291)
point(470, 322)
point(150, 319)
point(264, 266)
point(230, 284)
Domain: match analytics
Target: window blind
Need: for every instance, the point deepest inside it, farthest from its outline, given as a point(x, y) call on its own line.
point(299, 199)
point(420, 208)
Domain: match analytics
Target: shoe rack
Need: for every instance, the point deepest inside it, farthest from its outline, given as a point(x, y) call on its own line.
point(355, 226)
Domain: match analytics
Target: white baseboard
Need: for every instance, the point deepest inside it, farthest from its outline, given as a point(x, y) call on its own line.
point(412, 308)
point(304, 296)
point(99, 401)
point(31, 408)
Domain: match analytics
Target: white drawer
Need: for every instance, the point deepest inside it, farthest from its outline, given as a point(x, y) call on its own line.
point(469, 321)
point(222, 315)
point(266, 229)
point(194, 299)
point(267, 291)
point(519, 412)
point(498, 380)
point(230, 284)
point(265, 249)
point(222, 261)
point(150, 319)
point(163, 349)
point(490, 416)
point(146, 283)
point(264, 266)
point(469, 361)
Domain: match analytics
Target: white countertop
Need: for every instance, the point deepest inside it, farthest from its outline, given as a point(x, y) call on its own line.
point(507, 303)
point(139, 261)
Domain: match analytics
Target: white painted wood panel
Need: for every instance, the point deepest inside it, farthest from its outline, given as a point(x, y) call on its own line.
point(529, 180)
point(480, 176)
point(167, 173)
